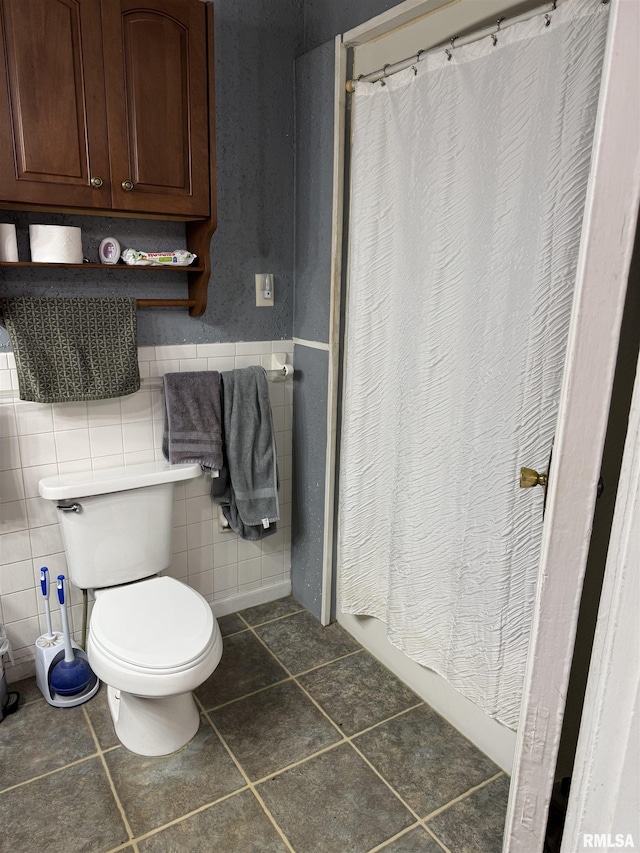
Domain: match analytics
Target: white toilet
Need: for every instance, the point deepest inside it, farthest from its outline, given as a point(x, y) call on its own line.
point(152, 639)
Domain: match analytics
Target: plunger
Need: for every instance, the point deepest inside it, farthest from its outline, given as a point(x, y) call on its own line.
point(73, 674)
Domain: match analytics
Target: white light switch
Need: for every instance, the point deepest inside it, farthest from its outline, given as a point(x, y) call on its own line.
point(264, 290)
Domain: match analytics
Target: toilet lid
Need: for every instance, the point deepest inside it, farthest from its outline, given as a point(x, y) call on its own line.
point(158, 623)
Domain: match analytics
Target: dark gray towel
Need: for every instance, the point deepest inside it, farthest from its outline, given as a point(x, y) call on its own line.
point(192, 423)
point(247, 488)
point(69, 348)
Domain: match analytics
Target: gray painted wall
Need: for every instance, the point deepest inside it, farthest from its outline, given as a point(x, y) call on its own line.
point(324, 19)
point(309, 443)
point(314, 192)
point(312, 266)
point(256, 44)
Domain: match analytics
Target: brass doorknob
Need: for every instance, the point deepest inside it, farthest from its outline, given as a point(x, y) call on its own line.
point(530, 478)
point(127, 186)
point(96, 181)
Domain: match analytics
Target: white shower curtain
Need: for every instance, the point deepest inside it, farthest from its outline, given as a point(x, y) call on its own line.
point(468, 188)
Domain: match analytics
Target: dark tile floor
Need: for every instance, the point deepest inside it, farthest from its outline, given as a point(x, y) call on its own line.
point(306, 744)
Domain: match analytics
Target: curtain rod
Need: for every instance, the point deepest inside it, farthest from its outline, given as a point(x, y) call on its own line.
point(455, 42)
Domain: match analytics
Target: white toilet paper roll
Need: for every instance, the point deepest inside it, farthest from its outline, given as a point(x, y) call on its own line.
point(8, 242)
point(55, 244)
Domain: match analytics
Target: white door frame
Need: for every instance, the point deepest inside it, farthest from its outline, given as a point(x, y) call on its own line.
point(608, 232)
point(605, 784)
point(605, 252)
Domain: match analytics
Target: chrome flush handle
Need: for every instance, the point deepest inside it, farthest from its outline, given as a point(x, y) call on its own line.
point(70, 508)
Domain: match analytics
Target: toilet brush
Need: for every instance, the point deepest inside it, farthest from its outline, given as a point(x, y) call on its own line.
point(73, 674)
point(48, 639)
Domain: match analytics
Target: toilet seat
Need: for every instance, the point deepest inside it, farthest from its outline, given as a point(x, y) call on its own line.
point(159, 626)
point(153, 638)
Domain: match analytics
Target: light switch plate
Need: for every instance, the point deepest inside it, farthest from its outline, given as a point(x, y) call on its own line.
point(263, 278)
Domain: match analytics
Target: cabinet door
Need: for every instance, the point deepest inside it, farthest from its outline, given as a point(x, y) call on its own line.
point(155, 54)
point(53, 135)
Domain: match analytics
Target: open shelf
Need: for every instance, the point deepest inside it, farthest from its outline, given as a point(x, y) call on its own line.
point(198, 277)
point(172, 267)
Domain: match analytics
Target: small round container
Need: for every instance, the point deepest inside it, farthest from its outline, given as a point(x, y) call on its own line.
point(109, 251)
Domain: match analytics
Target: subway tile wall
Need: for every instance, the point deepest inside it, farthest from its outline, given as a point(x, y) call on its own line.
point(37, 440)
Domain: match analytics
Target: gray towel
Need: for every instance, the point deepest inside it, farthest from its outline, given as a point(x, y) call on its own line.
point(69, 349)
point(192, 424)
point(248, 485)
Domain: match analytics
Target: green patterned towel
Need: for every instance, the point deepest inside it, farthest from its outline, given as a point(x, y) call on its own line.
point(69, 349)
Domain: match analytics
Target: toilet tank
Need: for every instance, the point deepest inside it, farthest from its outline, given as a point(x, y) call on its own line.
point(116, 523)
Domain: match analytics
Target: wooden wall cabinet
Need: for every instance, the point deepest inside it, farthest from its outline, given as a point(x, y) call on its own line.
point(106, 106)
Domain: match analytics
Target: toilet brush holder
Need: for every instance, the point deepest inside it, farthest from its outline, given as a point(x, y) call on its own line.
point(48, 653)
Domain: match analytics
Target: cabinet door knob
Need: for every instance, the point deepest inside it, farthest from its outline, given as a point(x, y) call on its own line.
point(96, 181)
point(127, 186)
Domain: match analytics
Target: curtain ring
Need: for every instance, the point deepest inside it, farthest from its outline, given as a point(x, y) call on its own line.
point(449, 54)
point(453, 41)
point(547, 20)
point(415, 70)
point(494, 36)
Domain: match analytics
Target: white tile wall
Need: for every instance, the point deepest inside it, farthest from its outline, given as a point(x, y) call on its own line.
point(37, 440)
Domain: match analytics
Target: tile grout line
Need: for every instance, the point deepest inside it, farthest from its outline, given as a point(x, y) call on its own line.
point(328, 663)
point(386, 720)
point(344, 738)
point(435, 838)
point(233, 633)
point(276, 683)
point(322, 751)
point(349, 740)
point(49, 773)
point(248, 781)
point(245, 696)
point(299, 762)
point(156, 830)
point(463, 796)
point(294, 678)
point(383, 844)
point(269, 621)
point(388, 784)
point(116, 797)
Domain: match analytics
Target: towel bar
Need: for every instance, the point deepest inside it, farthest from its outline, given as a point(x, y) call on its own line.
point(155, 383)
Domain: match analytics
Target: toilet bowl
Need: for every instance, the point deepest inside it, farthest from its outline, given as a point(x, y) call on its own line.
point(153, 642)
point(152, 639)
